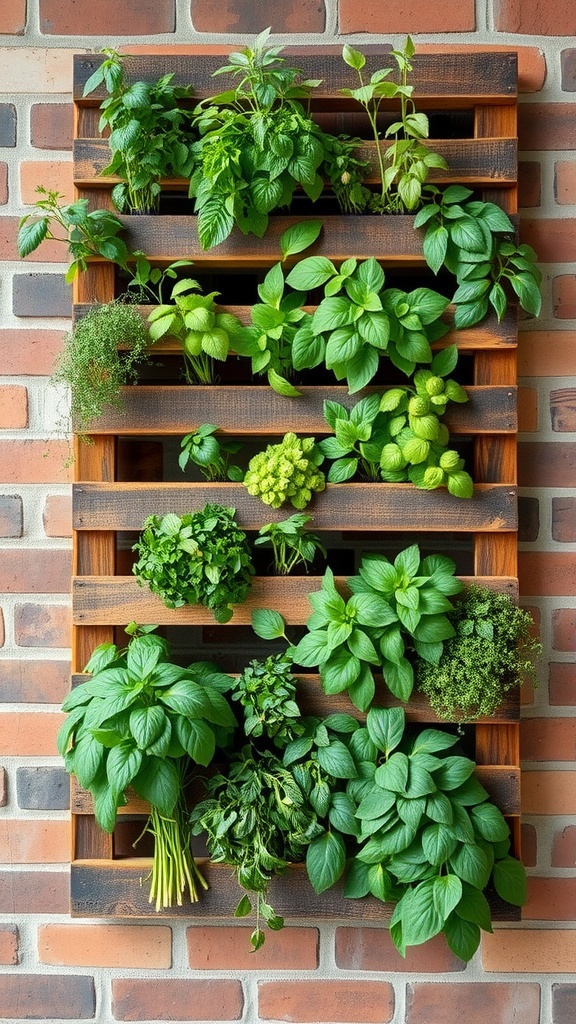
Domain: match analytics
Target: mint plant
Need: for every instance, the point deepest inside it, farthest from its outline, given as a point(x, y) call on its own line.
point(200, 557)
point(142, 722)
point(267, 692)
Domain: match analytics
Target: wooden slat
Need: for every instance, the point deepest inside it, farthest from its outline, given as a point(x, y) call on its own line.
point(474, 162)
point(445, 80)
point(121, 599)
point(350, 506)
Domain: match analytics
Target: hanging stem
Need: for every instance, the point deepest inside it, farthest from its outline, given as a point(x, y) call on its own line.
point(173, 867)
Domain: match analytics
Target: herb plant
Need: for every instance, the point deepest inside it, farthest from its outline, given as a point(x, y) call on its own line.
point(287, 471)
point(85, 233)
point(149, 133)
point(211, 455)
point(475, 241)
point(141, 722)
point(201, 557)
point(408, 158)
point(267, 692)
point(205, 334)
point(100, 355)
point(492, 651)
point(292, 544)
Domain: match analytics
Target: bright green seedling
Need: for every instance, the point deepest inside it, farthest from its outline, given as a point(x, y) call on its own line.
point(292, 543)
point(85, 233)
point(475, 241)
point(210, 454)
point(359, 320)
point(142, 722)
point(430, 839)
point(205, 335)
point(200, 557)
point(409, 160)
point(286, 472)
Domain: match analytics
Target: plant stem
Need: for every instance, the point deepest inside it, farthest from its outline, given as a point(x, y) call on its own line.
point(173, 868)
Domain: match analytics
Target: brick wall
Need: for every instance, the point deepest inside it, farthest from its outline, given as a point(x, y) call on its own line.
point(52, 968)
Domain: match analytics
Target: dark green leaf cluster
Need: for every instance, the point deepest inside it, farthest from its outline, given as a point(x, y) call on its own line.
point(267, 692)
point(292, 544)
point(85, 233)
point(287, 471)
point(492, 651)
point(101, 355)
point(359, 320)
point(475, 241)
point(211, 455)
point(429, 837)
point(200, 557)
point(392, 605)
point(149, 133)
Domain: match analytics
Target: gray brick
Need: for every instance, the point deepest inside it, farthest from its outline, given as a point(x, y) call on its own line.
point(41, 295)
point(7, 124)
point(39, 789)
point(11, 524)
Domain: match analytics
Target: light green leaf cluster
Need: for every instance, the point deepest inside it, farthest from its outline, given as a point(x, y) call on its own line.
point(286, 472)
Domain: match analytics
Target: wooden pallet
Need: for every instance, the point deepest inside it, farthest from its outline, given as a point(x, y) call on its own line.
point(118, 486)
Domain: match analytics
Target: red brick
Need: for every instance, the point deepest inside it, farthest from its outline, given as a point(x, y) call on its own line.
point(547, 792)
point(3, 788)
point(13, 18)
point(57, 515)
point(435, 1003)
point(409, 16)
point(357, 1002)
point(13, 407)
point(372, 949)
point(562, 683)
point(548, 739)
point(34, 681)
point(51, 125)
point(35, 892)
point(26, 996)
point(546, 464)
point(54, 175)
point(236, 16)
point(41, 625)
point(176, 999)
point(529, 845)
point(564, 629)
point(527, 410)
point(29, 352)
point(564, 296)
point(546, 126)
point(528, 951)
point(11, 521)
point(47, 252)
point(24, 733)
point(8, 945)
point(564, 520)
point(107, 18)
point(23, 569)
point(565, 182)
point(563, 1004)
point(550, 899)
point(547, 353)
point(34, 842)
point(533, 18)
point(529, 183)
point(3, 183)
point(564, 847)
point(563, 409)
point(224, 948)
point(106, 945)
point(547, 573)
point(528, 518)
point(552, 239)
point(35, 462)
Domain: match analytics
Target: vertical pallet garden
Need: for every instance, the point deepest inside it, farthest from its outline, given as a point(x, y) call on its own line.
point(125, 474)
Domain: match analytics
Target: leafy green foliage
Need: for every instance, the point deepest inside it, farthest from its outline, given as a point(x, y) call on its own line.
point(257, 145)
point(475, 241)
point(85, 234)
point(211, 455)
point(492, 651)
point(258, 821)
point(409, 160)
point(140, 721)
point(205, 334)
point(286, 472)
point(100, 355)
point(359, 320)
point(292, 544)
point(267, 693)
point(149, 133)
point(201, 557)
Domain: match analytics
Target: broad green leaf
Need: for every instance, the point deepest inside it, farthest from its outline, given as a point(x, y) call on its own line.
point(299, 236)
point(430, 741)
point(146, 725)
point(339, 671)
point(438, 843)
point(268, 624)
point(474, 907)
point(489, 822)
point(393, 774)
point(122, 764)
point(197, 738)
point(325, 860)
point(357, 883)
point(312, 649)
point(88, 755)
point(158, 782)
point(470, 863)
point(353, 57)
point(420, 918)
point(510, 881)
point(463, 937)
point(446, 893)
point(337, 760)
point(454, 771)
